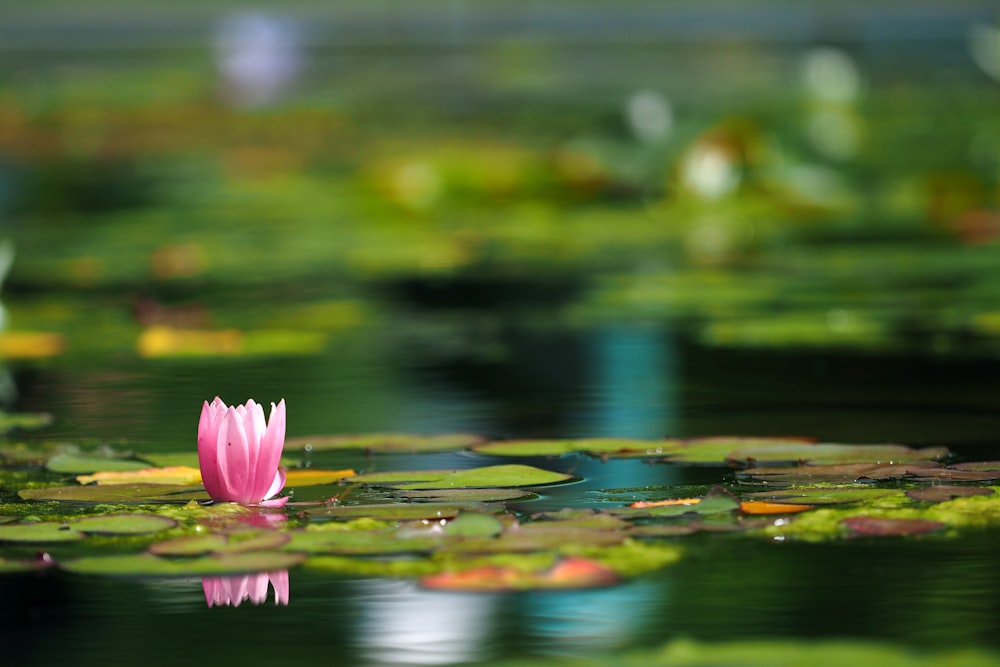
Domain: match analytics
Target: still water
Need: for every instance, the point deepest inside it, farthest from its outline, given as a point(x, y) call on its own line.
point(641, 381)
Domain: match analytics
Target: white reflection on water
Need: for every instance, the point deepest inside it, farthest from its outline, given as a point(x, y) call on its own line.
point(400, 624)
point(576, 622)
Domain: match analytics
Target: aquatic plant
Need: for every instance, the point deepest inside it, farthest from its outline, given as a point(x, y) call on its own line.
point(239, 454)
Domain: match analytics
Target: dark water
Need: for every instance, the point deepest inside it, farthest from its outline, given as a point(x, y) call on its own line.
point(628, 381)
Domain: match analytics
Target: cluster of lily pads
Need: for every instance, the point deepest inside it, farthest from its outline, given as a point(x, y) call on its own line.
point(113, 512)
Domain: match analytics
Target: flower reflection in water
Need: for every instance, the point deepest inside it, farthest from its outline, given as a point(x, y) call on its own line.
point(233, 590)
point(404, 625)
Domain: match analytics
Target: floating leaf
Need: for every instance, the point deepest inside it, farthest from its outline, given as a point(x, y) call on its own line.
point(646, 504)
point(473, 524)
point(823, 496)
point(716, 501)
point(463, 495)
point(397, 511)
point(123, 524)
point(385, 442)
point(566, 574)
point(982, 466)
point(597, 446)
point(71, 463)
point(842, 473)
point(117, 493)
point(148, 565)
point(360, 542)
point(490, 476)
point(12, 421)
point(952, 474)
point(943, 492)
point(45, 531)
point(222, 543)
point(882, 526)
point(179, 475)
point(314, 477)
point(764, 507)
point(8, 566)
point(172, 459)
point(777, 450)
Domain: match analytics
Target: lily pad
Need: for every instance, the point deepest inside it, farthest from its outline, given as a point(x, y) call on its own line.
point(384, 442)
point(473, 524)
point(527, 538)
point(717, 501)
point(568, 573)
point(8, 566)
point(466, 495)
point(43, 531)
point(148, 565)
point(597, 446)
point(298, 477)
point(123, 524)
point(27, 421)
point(486, 477)
point(943, 492)
point(180, 475)
point(71, 463)
point(221, 543)
point(360, 542)
point(117, 493)
point(758, 450)
point(842, 473)
point(823, 496)
point(397, 511)
point(883, 526)
point(764, 507)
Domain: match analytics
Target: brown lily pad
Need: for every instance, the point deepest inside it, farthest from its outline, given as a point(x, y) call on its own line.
point(882, 527)
point(943, 492)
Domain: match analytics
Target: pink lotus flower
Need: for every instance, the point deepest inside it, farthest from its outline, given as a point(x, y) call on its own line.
point(231, 591)
point(238, 455)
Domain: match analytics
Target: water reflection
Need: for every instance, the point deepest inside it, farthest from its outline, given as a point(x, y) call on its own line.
point(404, 625)
point(576, 622)
point(233, 590)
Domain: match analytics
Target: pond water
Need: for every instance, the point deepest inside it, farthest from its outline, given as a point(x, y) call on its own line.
point(626, 381)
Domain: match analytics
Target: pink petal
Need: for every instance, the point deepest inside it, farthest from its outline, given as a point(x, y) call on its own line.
point(276, 485)
point(276, 502)
point(271, 444)
point(233, 459)
point(280, 582)
point(253, 422)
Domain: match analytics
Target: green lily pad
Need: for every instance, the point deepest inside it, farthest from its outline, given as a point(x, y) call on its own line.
point(468, 495)
point(943, 492)
point(489, 476)
point(384, 442)
point(73, 464)
point(117, 493)
point(8, 566)
point(473, 524)
point(124, 524)
point(148, 565)
point(765, 450)
point(172, 459)
point(579, 518)
point(222, 543)
point(398, 511)
point(596, 446)
point(823, 496)
point(719, 503)
point(26, 421)
point(44, 531)
point(360, 542)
